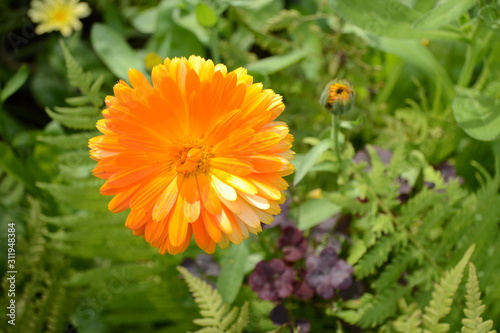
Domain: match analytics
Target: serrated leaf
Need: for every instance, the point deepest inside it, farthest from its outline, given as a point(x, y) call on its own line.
point(442, 296)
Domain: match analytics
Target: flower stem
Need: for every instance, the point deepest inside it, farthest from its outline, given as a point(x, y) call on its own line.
point(334, 134)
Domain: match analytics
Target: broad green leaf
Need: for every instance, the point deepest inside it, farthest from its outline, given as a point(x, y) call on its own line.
point(206, 15)
point(232, 271)
point(145, 21)
point(314, 211)
point(478, 115)
point(413, 52)
point(308, 161)
point(274, 64)
point(14, 83)
point(388, 18)
point(443, 14)
point(114, 50)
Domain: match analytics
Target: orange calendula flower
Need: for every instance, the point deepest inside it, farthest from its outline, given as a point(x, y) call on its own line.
point(337, 97)
point(196, 153)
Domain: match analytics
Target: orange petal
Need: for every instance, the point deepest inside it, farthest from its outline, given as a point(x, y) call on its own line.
point(177, 225)
point(166, 201)
point(231, 165)
point(236, 182)
point(223, 190)
point(208, 195)
point(211, 225)
point(202, 238)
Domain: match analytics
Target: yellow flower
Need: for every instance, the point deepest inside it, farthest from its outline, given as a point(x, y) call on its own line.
point(152, 59)
point(196, 153)
point(61, 15)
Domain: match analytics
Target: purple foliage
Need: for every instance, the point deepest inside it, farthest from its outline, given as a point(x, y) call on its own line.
point(203, 265)
point(279, 315)
point(292, 243)
point(327, 272)
point(272, 280)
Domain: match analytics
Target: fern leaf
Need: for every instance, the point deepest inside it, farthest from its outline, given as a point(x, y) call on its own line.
point(76, 140)
point(442, 297)
point(77, 111)
point(212, 307)
point(409, 323)
point(381, 307)
point(242, 320)
point(376, 255)
point(79, 79)
point(77, 100)
point(473, 323)
point(71, 121)
point(285, 19)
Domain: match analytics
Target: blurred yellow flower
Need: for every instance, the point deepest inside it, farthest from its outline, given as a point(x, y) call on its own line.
point(61, 15)
point(151, 60)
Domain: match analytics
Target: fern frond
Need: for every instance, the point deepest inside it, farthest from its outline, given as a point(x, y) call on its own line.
point(376, 255)
point(442, 297)
point(473, 323)
point(77, 111)
point(393, 270)
point(76, 140)
point(73, 121)
point(285, 19)
point(216, 317)
point(381, 307)
point(77, 78)
point(410, 323)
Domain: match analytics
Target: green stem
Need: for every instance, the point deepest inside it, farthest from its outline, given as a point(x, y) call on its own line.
point(473, 50)
point(335, 136)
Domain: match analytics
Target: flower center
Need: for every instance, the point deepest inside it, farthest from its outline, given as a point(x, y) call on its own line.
point(61, 15)
point(339, 92)
point(193, 157)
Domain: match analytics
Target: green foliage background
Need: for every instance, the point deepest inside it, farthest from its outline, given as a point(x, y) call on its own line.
point(427, 81)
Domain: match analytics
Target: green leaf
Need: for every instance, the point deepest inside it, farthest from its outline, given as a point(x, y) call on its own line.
point(206, 15)
point(232, 271)
point(477, 114)
point(145, 21)
point(114, 50)
point(388, 18)
point(413, 52)
point(274, 64)
point(14, 83)
point(308, 161)
point(14, 167)
point(443, 14)
point(442, 296)
point(473, 322)
point(314, 211)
